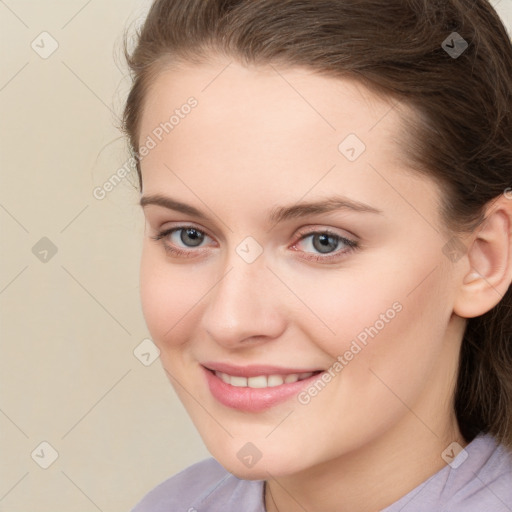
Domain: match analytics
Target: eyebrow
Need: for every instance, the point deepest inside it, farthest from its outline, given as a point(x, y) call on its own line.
point(277, 214)
point(282, 213)
point(171, 204)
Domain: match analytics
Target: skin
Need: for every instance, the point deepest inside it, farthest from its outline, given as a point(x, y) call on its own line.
point(253, 143)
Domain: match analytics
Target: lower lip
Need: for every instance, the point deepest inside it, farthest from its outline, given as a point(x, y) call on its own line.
point(253, 399)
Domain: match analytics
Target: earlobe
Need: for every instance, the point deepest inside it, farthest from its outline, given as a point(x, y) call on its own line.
point(489, 258)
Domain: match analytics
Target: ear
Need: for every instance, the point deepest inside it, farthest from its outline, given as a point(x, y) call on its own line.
point(489, 259)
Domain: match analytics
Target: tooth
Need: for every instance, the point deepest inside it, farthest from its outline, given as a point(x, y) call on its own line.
point(224, 376)
point(257, 382)
point(275, 380)
point(240, 382)
point(262, 381)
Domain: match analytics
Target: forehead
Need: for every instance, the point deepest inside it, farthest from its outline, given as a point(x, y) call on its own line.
point(266, 97)
point(252, 127)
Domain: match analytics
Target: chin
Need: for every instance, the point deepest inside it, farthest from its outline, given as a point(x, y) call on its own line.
point(263, 469)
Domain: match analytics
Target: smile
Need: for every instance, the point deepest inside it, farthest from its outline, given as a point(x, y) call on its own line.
point(256, 388)
point(262, 381)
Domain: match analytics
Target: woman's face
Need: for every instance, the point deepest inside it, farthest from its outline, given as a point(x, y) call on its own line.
point(300, 243)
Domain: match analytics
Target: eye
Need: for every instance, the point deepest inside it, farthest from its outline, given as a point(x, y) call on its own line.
point(324, 245)
point(191, 237)
point(322, 242)
point(181, 240)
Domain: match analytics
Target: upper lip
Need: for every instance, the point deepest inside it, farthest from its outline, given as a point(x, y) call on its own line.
point(255, 370)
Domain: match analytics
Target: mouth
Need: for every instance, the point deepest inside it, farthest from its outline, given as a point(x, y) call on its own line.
point(263, 381)
point(255, 388)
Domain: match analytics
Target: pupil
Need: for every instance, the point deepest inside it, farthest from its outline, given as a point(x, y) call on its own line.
point(191, 237)
point(327, 243)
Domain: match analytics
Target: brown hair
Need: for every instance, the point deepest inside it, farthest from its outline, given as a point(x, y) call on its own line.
point(462, 136)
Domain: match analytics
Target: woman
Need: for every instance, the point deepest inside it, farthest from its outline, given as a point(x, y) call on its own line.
point(327, 260)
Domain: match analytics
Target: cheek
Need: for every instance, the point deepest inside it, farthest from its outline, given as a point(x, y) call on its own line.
point(386, 304)
point(168, 297)
point(415, 340)
point(389, 341)
point(345, 304)
point(386, 322)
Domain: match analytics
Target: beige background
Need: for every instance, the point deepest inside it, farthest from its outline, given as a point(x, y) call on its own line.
point(70, 321)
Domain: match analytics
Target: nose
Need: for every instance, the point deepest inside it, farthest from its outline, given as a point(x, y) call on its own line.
point(245, 306)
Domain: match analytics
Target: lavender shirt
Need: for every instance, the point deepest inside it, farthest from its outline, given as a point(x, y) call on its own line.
point(481, 483)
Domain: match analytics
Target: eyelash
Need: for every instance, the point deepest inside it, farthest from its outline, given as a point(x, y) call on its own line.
point(351, 245)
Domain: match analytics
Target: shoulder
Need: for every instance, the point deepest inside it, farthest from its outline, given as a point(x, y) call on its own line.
point(483, 481)
point(478, 478)
point(205, 485)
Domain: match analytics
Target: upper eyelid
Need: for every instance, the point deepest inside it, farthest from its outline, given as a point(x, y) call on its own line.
point(343, 235)
point(301, 231)
point(330, 230)
point(179, 227)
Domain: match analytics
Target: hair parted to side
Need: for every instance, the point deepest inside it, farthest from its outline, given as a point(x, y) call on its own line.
point(461, 137)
